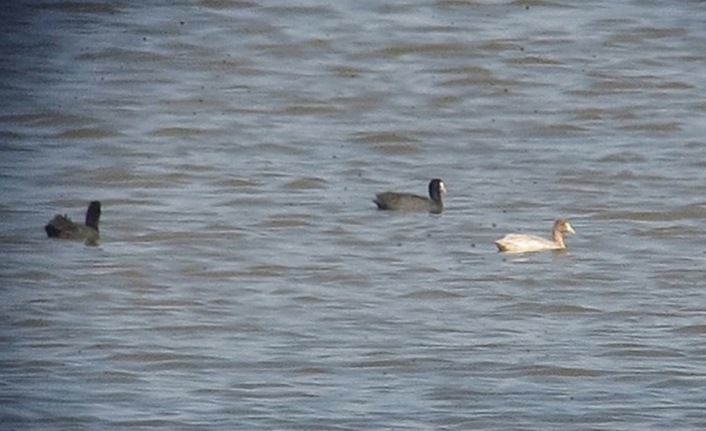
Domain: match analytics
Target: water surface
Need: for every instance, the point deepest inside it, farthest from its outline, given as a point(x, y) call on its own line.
point(245, 280)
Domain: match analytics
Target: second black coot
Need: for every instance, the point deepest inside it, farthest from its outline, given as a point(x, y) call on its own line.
point(411, 202)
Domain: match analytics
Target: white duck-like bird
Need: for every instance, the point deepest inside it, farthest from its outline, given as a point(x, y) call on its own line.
point(520, 243)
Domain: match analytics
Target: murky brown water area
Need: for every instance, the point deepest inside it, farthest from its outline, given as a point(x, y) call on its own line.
point(244, 279)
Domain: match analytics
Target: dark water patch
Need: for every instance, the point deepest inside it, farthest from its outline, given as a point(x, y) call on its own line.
point(676, 85)
point(80, 7)
point(124, 55)
point(593, 181)
point(247, 201)
point(7, 135)
point(28, 365)
point(679, 381)
point(468, 70)
point(683, 280)
point(144, 423)
point(479, 80)
point(347, 71)
point(336, 276)
point(192, 329)
point(162, 358)
point(88, 133)
point(431, 294)
point(556, 371)
point(548, 309)
point(590, 114)
point(45, 119)
point(34, 323)
point(237, 183)
point(389, 143)
point(533, 59)
point(105, 148)
point(384, 138)
point(517, 204)
point(112, 175)
point(684, 212)
point(228, 4)
point(118, 177)
point(500, 45)
point(308, 299)
point(135, 273)
point(446, 100)
point(674, 232)
point(313, 371)
point(306, 183)
point(366, 102)
point(640, 35)
point(310, 109)
point(275, 148)
point(566, 309)
point(426, 49)
point(653, 127)
point(182, 132)
point(264, 270)
point(408, 364)
point(530, 4)
point(193, 167)
point(633, 175)
point(610, 84)
point(455, 394)
point(642, 352)
point(25, 274)
point(176, 237)
point(555, 129)
point(623, 157)
point(280, 221)
point(117, 377)
point(214, 274)
point(288, 51)
point(697, 329)
point(166, 303)
point(307, 11)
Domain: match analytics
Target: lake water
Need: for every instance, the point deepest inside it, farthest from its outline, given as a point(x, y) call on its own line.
point(244, 279)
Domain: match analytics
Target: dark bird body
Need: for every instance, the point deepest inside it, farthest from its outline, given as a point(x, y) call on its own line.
point(410, 202)
point(61, 226)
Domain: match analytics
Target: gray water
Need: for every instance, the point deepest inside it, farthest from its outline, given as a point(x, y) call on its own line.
point(245, 280)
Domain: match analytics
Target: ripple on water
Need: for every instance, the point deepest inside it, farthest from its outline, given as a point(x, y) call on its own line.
point(691, 329)
point(555, 371)
point(431, 294)
point(172, 132)
point(287, 220)
point(684, 212)
point(306, 183)
point(82, 7)
point(389, 142)
point(88, 133)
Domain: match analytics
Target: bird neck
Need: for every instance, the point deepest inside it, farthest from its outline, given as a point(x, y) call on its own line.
point(92, 217)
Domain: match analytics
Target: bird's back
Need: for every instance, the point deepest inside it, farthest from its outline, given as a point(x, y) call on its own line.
point(62, 227)
point(519, 243)
point(403, 202)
